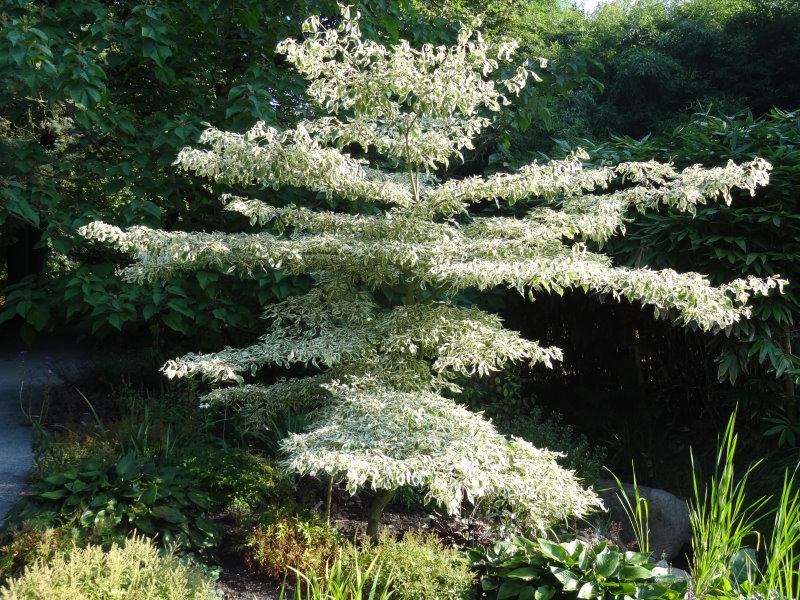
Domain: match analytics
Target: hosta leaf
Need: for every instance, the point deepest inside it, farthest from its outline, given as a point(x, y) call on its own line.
point(637, 558)
point(144, 524)
point(206, 525)
point(544, 592)
point(554, 551)
point(569, 580)
point(54, 494)
point(607, 562)
point(511, 589)
point(168, 513)
point(635, 573)
point(126, 466)
point(589, 590)
point(526, 573)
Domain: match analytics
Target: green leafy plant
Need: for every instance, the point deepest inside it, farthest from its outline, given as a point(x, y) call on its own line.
point(781, 571)
point(724, 521)
point(79, 136)
point(418, 565)
point(523, 569)
point(785, 431)
point(110, 501)
point(136, 569)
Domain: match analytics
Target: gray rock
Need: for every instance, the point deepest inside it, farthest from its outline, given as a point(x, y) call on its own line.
point(670, 529)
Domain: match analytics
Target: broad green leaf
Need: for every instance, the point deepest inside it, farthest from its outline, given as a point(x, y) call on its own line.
point(510, 589)
point(607, 562)
point(526, 573)
point(127, 466)
point(554, 551)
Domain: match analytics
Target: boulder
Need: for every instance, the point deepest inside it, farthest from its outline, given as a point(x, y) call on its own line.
point(670, 529)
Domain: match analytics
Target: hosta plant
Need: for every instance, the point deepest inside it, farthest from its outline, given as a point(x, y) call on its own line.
point(132, 494)
point(523, 569)
point(386, 326)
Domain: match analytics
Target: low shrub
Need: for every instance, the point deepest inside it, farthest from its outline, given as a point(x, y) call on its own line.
point(25, 543)
point(418, 566)
point(522, 569)
point(238, 482)
point(135, 570)
point(285, 541)
point(107, 502)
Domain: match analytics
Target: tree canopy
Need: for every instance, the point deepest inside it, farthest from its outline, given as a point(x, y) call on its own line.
point(392, 116)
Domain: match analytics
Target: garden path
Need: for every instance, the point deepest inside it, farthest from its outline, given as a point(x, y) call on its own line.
point(24, 375)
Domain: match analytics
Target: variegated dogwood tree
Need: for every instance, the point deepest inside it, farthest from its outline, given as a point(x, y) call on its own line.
point(382, 413)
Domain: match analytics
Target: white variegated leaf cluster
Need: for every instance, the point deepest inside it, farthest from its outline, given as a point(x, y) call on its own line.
point(380, 419)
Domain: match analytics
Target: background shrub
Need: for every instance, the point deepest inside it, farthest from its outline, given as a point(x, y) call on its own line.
point(237, 481)
point(419, 565)
point(25, 543)
point(135, 570)
point(284, 540)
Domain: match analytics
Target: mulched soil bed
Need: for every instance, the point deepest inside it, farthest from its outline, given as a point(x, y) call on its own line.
point(238, 584)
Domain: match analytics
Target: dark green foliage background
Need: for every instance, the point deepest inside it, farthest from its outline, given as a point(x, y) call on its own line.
point(97, 98)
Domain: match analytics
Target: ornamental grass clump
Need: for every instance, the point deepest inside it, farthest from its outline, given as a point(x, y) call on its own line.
point(382, 416)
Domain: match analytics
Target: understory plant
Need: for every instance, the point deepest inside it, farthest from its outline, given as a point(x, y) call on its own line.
point(725, 536)
point(108, 502)
point(386, 326)
point(637, 511)
point(286, 541)
point(357, 580)
point(25, 543)
point(417, 565)
point(781, 570)
point(135, 569)
point(238, 482)
point(524, 569)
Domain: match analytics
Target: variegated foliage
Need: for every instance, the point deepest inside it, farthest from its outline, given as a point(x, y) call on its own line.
point(381, 419)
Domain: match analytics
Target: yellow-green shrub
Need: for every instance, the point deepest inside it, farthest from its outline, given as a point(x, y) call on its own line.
point(284, 541)
point(23, 544)
point(237, 481)
point(66, 449)
point(419, 565)
point(136, 571)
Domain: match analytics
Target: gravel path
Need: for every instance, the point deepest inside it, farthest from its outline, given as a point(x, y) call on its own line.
point(24, 375)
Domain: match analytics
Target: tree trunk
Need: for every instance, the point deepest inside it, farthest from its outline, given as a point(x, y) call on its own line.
point(22, 256)
point(328, 500)
point(379, 502)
